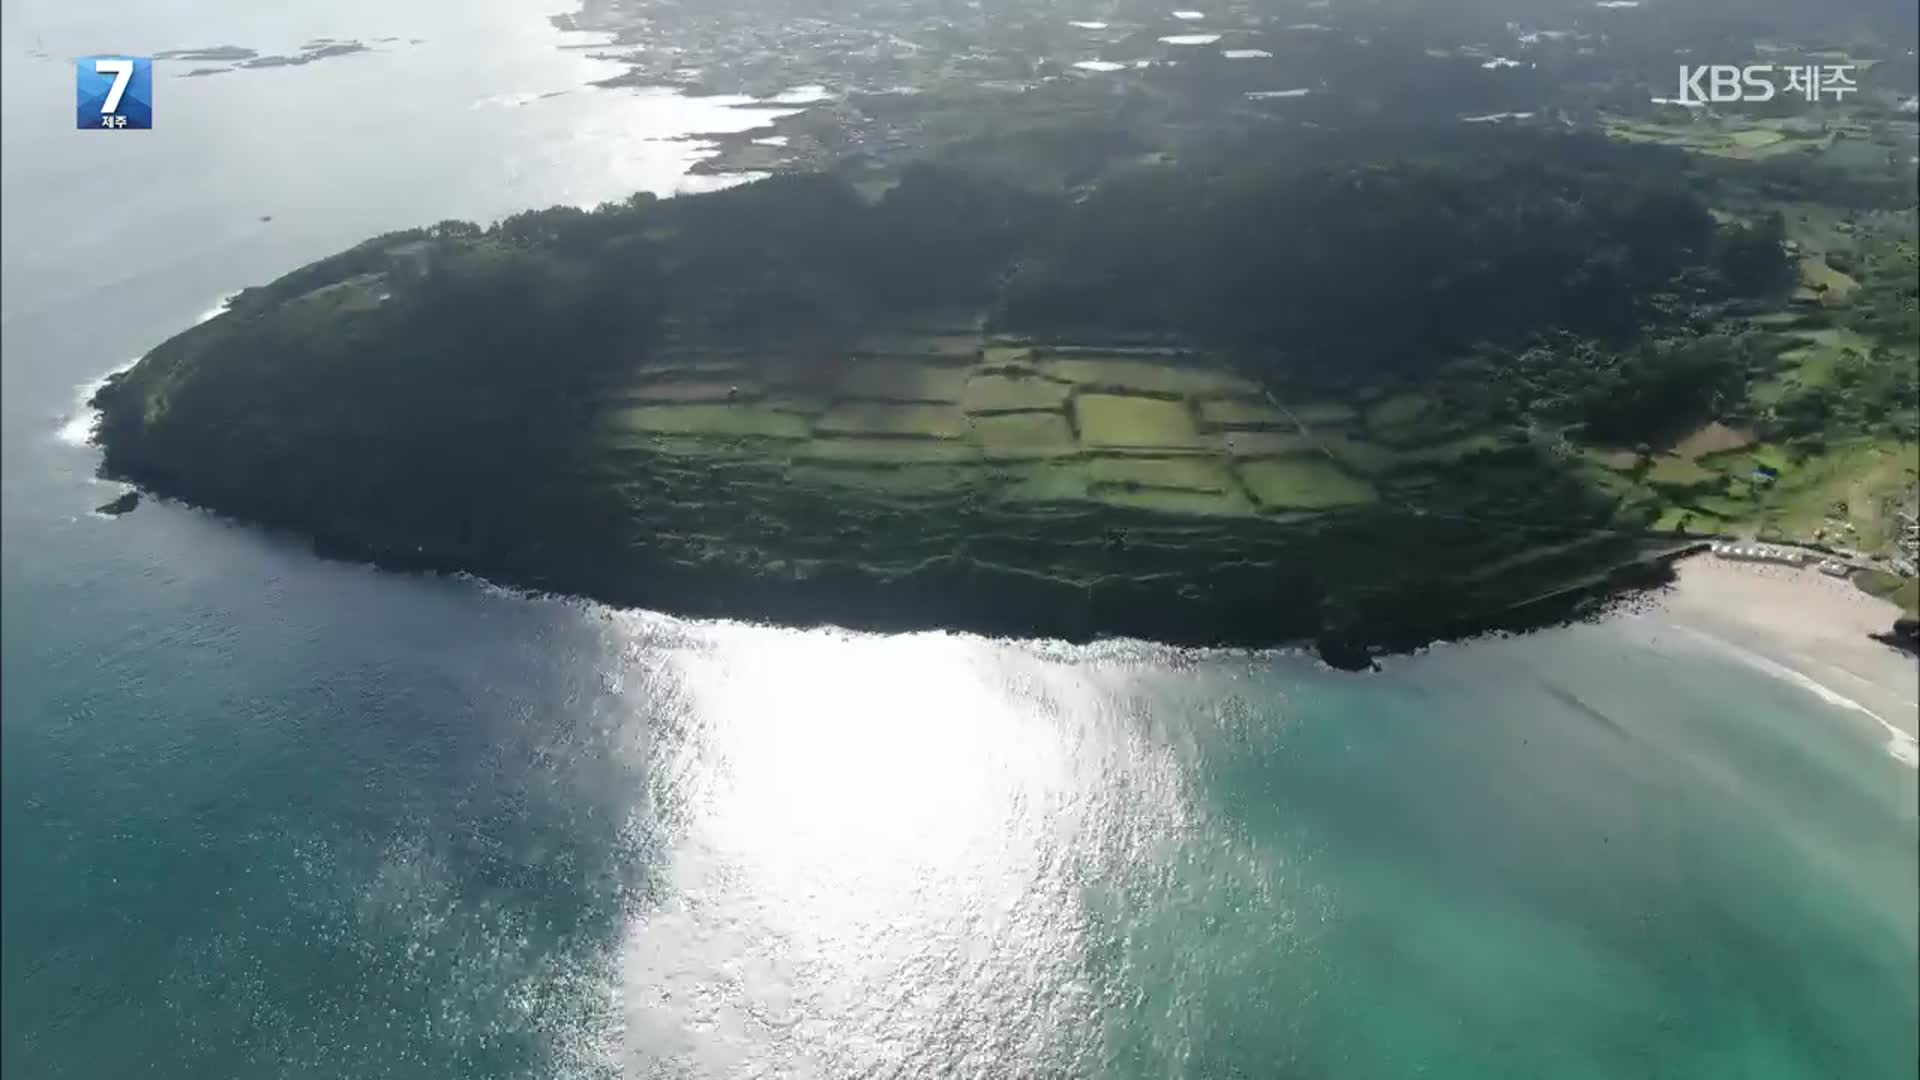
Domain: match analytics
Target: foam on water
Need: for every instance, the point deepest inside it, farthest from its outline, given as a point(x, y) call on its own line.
point(810, 94)
point(219, 308)
point(1901, 746)
point(508, 101)
point(76, 427)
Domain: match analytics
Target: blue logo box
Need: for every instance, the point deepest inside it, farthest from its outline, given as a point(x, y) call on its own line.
point(115, 92)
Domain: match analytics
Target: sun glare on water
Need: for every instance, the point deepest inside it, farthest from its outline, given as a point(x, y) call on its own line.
point(882, 849)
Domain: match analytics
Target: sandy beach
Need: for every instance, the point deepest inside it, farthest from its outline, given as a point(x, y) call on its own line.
point(1811, 625)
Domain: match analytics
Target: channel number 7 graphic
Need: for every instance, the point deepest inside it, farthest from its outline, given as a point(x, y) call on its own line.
point(115, 93)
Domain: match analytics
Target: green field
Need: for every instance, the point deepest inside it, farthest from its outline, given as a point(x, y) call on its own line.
point(1243, 415)
point(1902, 591)
point(1011, 393)
point(1738, 138)
point(1256, 444)
point(1145, 376)
point(1679, 472)
point(1755, 138)
point(1171, 474)
point(1845, 495)
point(1024, 435)
point(1303, 485)
point(1833, 286)
point(1113, 420)
point(1809, 364)
point(1058, 481)
point(1184, 439)
point(1708, 439)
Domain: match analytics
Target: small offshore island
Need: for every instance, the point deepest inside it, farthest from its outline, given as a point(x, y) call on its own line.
point(1365, 393)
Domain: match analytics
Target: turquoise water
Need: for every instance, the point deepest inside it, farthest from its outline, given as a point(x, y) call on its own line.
point(265, 815)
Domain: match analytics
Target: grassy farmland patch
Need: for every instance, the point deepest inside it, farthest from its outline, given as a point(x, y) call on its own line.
point(1050, 481)
point(1114, 420)
point(1670, 470)
point(1711, 438)
point(1172, 474)
point(1833, 286)
point(1303, 484)
point(1145, 376)
point(1256, 444)
point(1240, 414)
point(1024, 435)
point(1013, 393)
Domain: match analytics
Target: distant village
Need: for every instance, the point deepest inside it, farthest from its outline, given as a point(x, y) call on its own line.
point(876, 84)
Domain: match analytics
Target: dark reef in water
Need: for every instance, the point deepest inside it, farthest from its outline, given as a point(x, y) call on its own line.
point(1904, 636)
point(122, 505)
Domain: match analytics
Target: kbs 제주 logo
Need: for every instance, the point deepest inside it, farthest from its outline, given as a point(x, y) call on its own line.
point(115, 92)
point(1722, 83)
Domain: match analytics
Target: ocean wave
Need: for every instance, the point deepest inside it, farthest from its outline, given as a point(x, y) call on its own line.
point(219, 307)
point(495, 589)
point(77, 426)
point(1901, 746)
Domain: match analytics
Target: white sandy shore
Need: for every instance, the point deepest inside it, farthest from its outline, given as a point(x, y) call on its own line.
point(1807, 625)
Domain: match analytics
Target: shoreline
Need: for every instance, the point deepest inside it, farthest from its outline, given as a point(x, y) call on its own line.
point(1800, 625)
point(948, 601)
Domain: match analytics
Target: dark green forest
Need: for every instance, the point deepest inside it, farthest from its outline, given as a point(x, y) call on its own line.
point(1355, 273)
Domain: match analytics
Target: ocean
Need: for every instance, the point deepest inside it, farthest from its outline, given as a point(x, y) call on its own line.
point(265, 815)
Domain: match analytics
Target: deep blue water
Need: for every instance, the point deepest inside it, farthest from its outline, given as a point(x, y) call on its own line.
point(266, 815)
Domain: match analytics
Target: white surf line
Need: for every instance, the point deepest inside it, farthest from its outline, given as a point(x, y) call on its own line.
point(1901, 746)
point(77, 428)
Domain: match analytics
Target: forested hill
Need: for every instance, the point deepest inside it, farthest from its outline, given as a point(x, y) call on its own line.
point(441, 390)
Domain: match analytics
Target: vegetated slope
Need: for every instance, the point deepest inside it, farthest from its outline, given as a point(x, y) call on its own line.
point(466, 397)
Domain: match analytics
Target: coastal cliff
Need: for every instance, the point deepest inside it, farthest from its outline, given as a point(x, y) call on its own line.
point(1372, 420)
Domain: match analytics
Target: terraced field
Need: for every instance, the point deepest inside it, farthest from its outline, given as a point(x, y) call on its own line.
point(1019, 423)
point(1741, 138)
